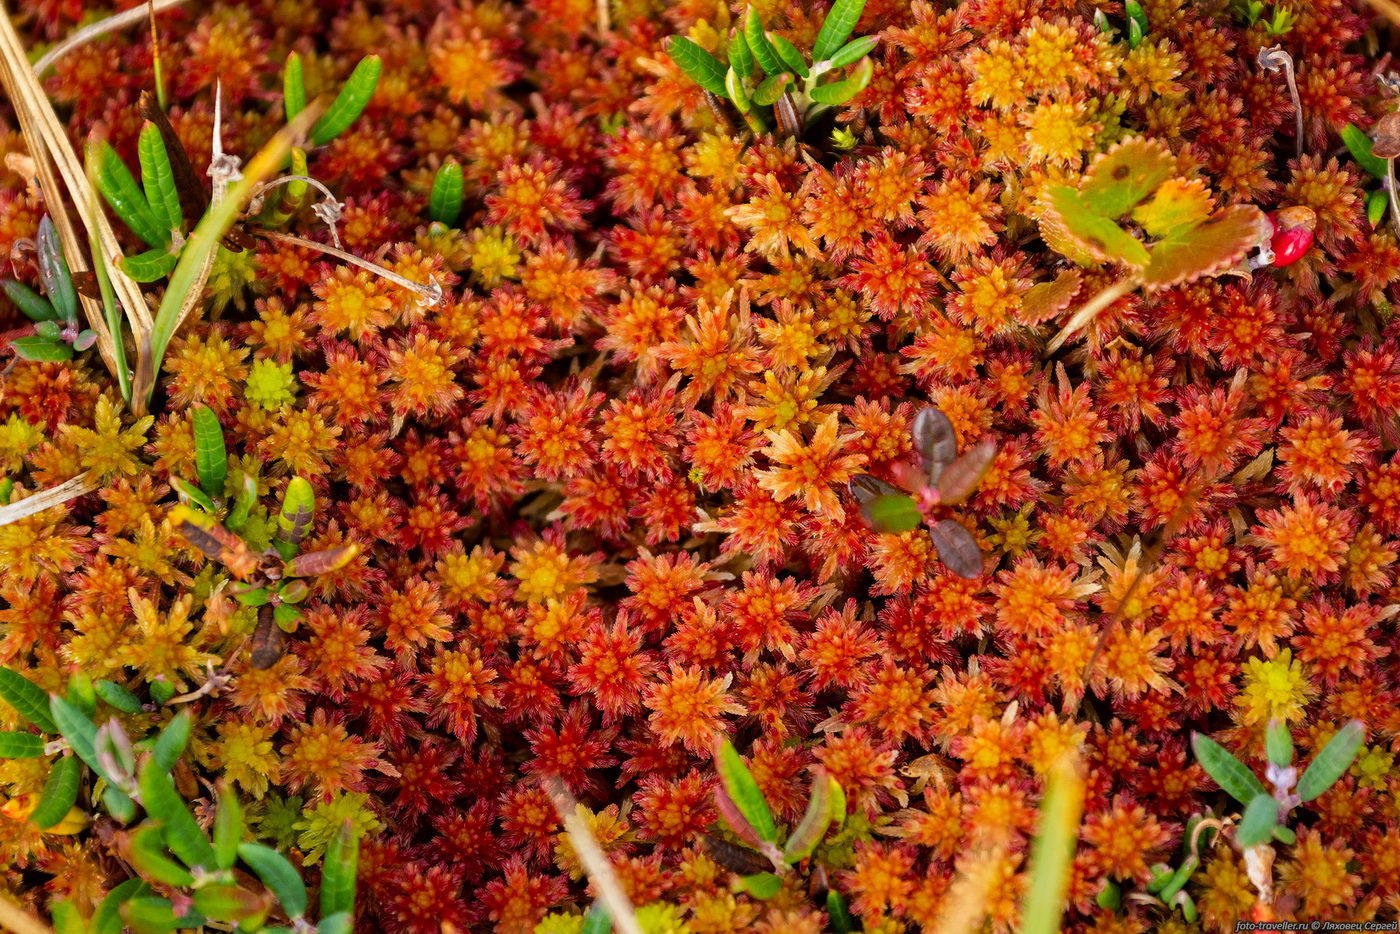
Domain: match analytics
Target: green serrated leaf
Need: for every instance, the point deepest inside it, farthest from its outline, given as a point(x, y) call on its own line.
point(338, 877)
point(791, 57)
point(1218, 243)
point(1091, 230)
point(33, 305)
point(744, 791)
point(210, 455)
point(278, 874)
point(170, 744)
point(158, 179)
point(1229, 773)
point(1257, 824)
point(1332, 762)
point(117, 696)
point(163, 802)
point(350, 102)
point(293, 87)
point(149, 856)
point(41, 349)
point(701, 67)
point(28, 698)
point(118, 187)
point(53, 272)
point(15, 745)
point(1360, 146)
point(60, 793)
point(445, 201)
point(762, 49)
point(151, 266)
point(762, 885)
point(854, 51)
point(836, 28)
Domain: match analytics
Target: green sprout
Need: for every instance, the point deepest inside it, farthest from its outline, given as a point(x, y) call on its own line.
point(57, 334)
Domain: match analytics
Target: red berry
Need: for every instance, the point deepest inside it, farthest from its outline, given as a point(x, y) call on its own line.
point(1293, 234)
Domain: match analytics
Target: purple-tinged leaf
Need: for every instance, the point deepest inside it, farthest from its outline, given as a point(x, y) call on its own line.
point(957, 548)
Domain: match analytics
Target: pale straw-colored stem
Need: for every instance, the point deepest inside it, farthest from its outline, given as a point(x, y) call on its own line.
point(99, 28)
point(80, 485)
point(1091, 309)
point(595, 861)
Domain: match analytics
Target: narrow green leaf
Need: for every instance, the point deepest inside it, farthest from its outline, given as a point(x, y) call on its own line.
point(189, 493)
point(148, 856)
point(28, 698)
point(736, 92)
point(228, 829)
point(1376, 203)
point(762, 49)
point(1257, 824)
point(228, 902)
point(151, 266)
point(1278, 743)
point(164, 803)
point(278, 874)
point(740, 58)
point(41, 349)
point(342, 922)
point(1110, 896)
point(810, 830)
point(286, 617)
point(293, 87)
point(158, 179)
point(1284, 835)
point(702, 67)
point(111, 311)
point(1179, 878)
point(53, 271)
point(762, 885)
point(768, 92)
point(107, 919)
point(350, 102)
point(117, 696)
point(14, 745)
point(839, 92)
point(338, 876)
point(836, 28)
point(1052, 853)
point(80, 732)
point(161, 690)
point(81, 693)
point(146, 915)
point(791, 57)
point(854, 51)
point(1332, 762)
point(210, 455)
point(743, 789)
point(119, 188)
point(7, 490)
point(295, 517)
point(243, 503)
point(118, 804)
point(66, 918)
point(170, 744)
point(60, 793)
point(34, 306)
point(445, 201)
point(838, 913)
point(895, 513)
point(1229, 773)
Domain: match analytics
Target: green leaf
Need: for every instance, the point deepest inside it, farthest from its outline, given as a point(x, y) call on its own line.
point(34, 306)
point(445, 202)
point(228, 829)
point(286, 617)
point(28, 698)
point(791, 57)
point(295, 518)
point(597, 920)
point(1179, 878)
point(119, 188)
point(60, 793)
point(1052, 853)
point(81, 694)
point(1110, 896)
point(1284, 835)
point(107, 919)
point(226, 901)
point(156, 916)
point(117, 696)
point(53, 272)
point(1229, 773)
point(836, 28)
point(41, 349)
point(350, 102)
point(7, 490)
point(812, 828)
point(151, 266)
point(161, 690)
point(762, 885)
point(1126, 174)
point(293, 87)
point(840, 915)
point(1360, 146)
point(80, 732)
point(1257, 824)
point(158, 179)
point(210, 455)
point(118, 804)
point(245, 499)
point(342, 922)
point(893, 513)
point(66, 918)
point(112, 313)
point(770, 89)
point(854, 51)
point(743, 789)
point(170, 744)
point(839, 92)
point(1209, 247)
point(1278, 743)
point(762, 49)
point(14, 745)
point(189, 493)
point(736, 92)
point(1091, 230)
point(338, 876)
point(49, 330)
point(740, 58)
point(1332, 762)
point(278, 874)
point(1376, 203)
point(164, 803)
point(149, 856)
point(702, 67)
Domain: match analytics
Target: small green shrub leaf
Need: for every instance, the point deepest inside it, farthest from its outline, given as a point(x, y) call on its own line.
point(295, 518)
point(791, 57)
point(163, 802)
point(210, 455)
point(1257, 824)
point(228, 829)
point(770, 89)
point(80, 732)
point(118, 804)
point(147, 915)
point(1110, 896)
point(170, 744)
point(1278, 743)
point(14, 745)
point(338, 877)
point(445, 201)
point(810, 830)
point(293, 87)
point(34, 306)
point(53, 272)
point(744, 791)
point(1229, 773)
point(1360, 146)
point(107, 918)
point(838, 913)
point(149, 856)
point(1091, 230)
point(763, 885)
point(854, 51)
point(158, 179)
point(892, 514)
point(118, 186)
point(225, 901)
point(189, 493)
point(1126, 174)
point(151, 266)
point(81, 694)
point(244, 500)
point(278, 874)
point(701, 67)
point(1284, 835)
point(350, 102)
point(740, 58)
point(117, 696)
point(1332, 762)
point(1376, 203)
point(28, 698)
point(736, 92)
point(836, 28)
point(597, 921)
point(342, 922)
point(60, 792)
point(762, 49)
point(41, 349)
point(839, 92)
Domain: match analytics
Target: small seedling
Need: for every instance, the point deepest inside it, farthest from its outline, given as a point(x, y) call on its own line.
point(57, 334)
point(1376, 154)
point(938, 479)
point(790, 94)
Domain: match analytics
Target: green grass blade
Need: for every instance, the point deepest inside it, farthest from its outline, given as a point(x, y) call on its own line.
point(210, 455)
point(158, 179)
point(350, 102)
point(28, 698)
point(118, 186)
point(293, 88)
point(836, 28)
point(1052, 853)
point(1332, 762)
point(278, 874)
point(60, 793)
point(445, 202)
point(702, 67)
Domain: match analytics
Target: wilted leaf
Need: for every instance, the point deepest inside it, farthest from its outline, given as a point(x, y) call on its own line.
point(218, 543)
point(1219, 242)
point(957, 548)
point(1177, 205)
point(1047, 299)
point(1126, 174)
point(321, 562)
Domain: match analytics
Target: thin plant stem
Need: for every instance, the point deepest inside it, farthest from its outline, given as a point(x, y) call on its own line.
point(1091, 309)
point(1390, 194)
point(100, 28)
point(431, 293)
point(80, 485)
point(595, 861)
